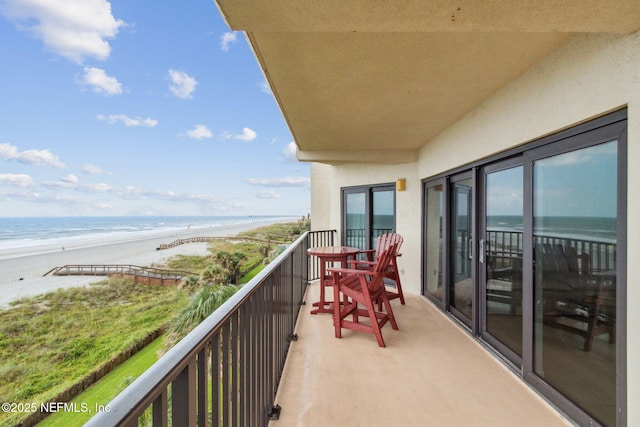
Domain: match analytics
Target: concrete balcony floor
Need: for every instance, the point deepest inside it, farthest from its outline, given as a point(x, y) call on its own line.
point(431, 373)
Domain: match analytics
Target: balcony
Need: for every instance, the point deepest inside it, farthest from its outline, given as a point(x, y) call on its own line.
point(273, 359)
point(430, 373)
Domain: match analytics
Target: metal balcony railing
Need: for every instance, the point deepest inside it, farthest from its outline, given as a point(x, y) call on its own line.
point(227, 370)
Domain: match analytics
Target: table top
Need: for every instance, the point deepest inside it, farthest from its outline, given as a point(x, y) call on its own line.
point(333, 250)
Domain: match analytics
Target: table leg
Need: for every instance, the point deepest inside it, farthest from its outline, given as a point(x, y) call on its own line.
point(323, 305)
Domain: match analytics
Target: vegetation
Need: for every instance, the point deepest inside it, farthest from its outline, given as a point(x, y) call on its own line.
point(50, 342)
point(282, 233)
point(204, 302)
point(107, 388)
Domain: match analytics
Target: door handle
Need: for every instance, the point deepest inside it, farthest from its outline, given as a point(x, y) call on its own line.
point(481, 250)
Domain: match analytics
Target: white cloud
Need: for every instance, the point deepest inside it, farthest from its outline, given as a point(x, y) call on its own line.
point(292, 181)
point(226, 39)
point(266, 194)
point(92, 169)
point(74, 29)
point(134, 193)
point(127, 121)
point(289, 152)
point(101, 82)
point(71, 179)
point(246, 135)
point(199, 132)
point(97, 188)
point(17, 179)
point(30, 157)
point(50, 198)
point(183, 84)
point(264, 87)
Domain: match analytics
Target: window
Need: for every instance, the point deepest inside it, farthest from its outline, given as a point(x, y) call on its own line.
point(367, 213)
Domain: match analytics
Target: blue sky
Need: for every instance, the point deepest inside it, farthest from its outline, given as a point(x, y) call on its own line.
point(138, 107)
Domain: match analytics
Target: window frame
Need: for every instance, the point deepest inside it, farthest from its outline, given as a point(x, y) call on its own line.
point(368, 190)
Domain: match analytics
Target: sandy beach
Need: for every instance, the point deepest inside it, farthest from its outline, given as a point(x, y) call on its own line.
point(22, 270)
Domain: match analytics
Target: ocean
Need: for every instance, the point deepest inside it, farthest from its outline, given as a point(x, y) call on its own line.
point(598, 229)
point(20, 232)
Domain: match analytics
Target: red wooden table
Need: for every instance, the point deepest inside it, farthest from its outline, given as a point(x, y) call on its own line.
point(328, 254)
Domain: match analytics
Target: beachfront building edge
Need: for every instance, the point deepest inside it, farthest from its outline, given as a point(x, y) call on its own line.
point(429, 92)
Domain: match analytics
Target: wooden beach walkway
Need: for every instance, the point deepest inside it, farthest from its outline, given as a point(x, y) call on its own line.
point(210, 239)
point(139, 274)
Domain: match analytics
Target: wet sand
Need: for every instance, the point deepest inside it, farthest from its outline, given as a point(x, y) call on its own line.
point(22, 270)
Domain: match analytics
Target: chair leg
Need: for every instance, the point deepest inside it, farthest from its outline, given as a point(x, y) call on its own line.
point(375, 325)
point(393, 295)
point(387, 307)
point(398, 286)
point(337, 316)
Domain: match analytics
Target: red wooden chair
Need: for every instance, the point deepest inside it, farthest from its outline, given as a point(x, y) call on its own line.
point(361, 290)
point(383, 242)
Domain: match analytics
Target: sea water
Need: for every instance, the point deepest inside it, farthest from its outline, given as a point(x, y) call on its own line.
point(20, 232)
point(599, 229)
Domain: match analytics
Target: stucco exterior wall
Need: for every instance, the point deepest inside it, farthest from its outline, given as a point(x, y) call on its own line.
point(327, 194)
point(592, 74)
point(588, 77)
point(322, 199)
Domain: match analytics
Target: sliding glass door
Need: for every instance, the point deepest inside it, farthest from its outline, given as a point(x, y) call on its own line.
point(528, 251)
point(575, 242)
point(435, 222)
point(501, 256)
point(461, 288)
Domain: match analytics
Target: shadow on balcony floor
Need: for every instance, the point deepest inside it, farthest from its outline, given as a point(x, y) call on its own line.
point(430, 374)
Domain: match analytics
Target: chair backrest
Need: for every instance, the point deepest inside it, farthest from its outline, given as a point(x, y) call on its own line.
point(380, 267)
point(386, 240)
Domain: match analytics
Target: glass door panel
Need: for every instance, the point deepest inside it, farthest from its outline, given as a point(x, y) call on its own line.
point(502, 260)
point(434, 244)
point(355, 220)
point(575, 241)
point(461, 287)
point(383, 214)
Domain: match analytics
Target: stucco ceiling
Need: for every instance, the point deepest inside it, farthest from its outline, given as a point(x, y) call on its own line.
point(374, 80)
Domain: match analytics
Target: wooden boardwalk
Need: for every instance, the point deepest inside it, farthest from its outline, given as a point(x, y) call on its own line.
point(139, 274)
point(210, 239)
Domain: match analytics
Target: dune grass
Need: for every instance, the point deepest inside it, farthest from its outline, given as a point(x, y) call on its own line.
point(50, 342)
point(100, 394)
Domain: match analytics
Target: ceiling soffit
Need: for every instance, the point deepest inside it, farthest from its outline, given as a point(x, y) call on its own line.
point(364, 76)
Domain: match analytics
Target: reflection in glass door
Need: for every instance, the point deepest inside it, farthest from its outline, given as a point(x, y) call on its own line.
point(501, 258)
point(355, 220)
point(575, 245)
point(461, 287)
point(383, 218)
